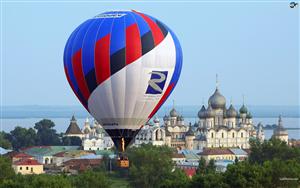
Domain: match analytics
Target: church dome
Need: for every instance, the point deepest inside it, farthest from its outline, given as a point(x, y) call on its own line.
point(217, 100)
point(243, 109)
point(209, 112)
point(173, 113)
point(166, 118)
point(201, 113)
point(249, 115)
point(156, 120)
point(231, 112)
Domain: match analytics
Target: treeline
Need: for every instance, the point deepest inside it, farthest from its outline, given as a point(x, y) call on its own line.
point(43, 134)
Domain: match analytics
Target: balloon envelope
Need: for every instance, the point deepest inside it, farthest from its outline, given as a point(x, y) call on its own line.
point(122, 66)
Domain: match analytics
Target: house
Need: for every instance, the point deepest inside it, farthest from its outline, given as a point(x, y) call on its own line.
point(217, 154)
point(28, 166)
point(240, 154)
point(178, 158)
point(74, 166)
point(61, 157)
point(16, 156)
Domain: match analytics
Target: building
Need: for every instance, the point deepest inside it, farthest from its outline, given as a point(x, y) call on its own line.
point(219, 126)
point(28, 166)
point(260, 132)
point(280, 132)
point(73, 129)
point(217, 154)
point(153, 134)
point(93, 135)
point(74, 166)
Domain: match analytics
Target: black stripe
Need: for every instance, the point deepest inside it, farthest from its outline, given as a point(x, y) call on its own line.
point(81, 98)
point(147, 42)
point(90, 79)
point(117, 61)
point(162, 28)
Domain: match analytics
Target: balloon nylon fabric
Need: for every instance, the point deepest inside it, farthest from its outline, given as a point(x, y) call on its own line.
point(122, 66)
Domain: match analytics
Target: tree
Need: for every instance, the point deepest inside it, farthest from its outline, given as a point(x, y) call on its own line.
point(22, 137)
point(46, 135)
point(176, 179)
point(201, 166)
point(6, 171)
point(91, 179)
point(211, 167)
point(150, 165)
point(4, 142)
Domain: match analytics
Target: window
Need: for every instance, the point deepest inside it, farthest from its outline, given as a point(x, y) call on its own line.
point(27, 168)
point(222, 135)
point(212, 135)
point(242, 135)
point(20, 168)
point(31, 169)
point(232, 135)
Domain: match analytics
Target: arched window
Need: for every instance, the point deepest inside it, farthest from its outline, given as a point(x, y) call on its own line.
point(212, 135)
point(222, 135)
point(232, 135)
point(242, 135)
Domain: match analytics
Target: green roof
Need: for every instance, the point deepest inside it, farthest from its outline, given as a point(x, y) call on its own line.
point(48, 150)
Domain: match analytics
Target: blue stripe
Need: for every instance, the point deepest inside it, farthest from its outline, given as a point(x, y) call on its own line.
point(117, 39)
point(179, 59)
point(77, 44)
point(129, 20)
point(143, 26)
point(105, 28)
point(89, 46)
point(68, 62)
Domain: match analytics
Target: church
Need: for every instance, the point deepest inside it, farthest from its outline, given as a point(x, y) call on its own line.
point(217, 126)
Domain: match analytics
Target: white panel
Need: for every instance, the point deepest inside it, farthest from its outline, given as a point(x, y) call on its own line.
point(121, 102)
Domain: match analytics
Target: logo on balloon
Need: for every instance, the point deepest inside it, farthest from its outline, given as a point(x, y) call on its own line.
point(157, 82)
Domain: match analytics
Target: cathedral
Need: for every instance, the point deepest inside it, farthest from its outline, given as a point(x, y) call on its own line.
point(217, 126)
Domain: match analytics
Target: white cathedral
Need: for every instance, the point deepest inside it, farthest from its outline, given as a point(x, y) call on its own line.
point(92, 135)
point(217, 126)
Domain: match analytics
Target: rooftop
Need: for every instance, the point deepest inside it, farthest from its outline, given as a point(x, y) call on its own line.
point(27, 162)
point(216, 151)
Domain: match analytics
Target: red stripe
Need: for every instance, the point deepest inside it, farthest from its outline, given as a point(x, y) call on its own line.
point(79, 76)
point(156, 32)
point(133, 44)
point(102, 59)
point(162, 100)
point(72, 86)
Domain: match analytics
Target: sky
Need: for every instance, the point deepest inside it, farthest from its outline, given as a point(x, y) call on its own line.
point(252, 46)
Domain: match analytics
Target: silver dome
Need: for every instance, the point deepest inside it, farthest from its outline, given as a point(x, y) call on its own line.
point(201, 113)
point(209, 111)
point(231, 112)
point(217, 100)
point(173, 113)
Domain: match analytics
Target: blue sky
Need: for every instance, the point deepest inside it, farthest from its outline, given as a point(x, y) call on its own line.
point(253, 47)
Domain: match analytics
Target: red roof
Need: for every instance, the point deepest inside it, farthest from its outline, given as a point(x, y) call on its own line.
point(82, 164)
point(190, 171)
point(27, 162)
point(216, 151)
point(20, 155)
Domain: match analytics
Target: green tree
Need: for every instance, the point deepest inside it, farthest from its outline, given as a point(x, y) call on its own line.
point(4, 142)
point(211, 167)
point(209, 180)
point(150, 166)
point(22, 137)
point(6, 171)
point(46, 134)
point(91, 179)
point(201, 166)
point(176, 179)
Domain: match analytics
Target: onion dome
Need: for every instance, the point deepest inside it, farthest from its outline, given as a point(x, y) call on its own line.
point(249, 115)
point(166, 118)
point(201, 113)
point(86, 131)
point(156, 120)
point(190, 132)
point(243, 109)
point(173, 113)
point(180, 118)
point(217, 100)
point(209, 111)
point(231, 112)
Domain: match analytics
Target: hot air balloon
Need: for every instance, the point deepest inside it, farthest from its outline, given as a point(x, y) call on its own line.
point(122, 66)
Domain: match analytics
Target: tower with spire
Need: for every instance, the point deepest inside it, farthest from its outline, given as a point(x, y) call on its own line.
point(280, 132)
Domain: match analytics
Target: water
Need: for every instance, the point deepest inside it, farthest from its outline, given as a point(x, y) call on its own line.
point(61, 124)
